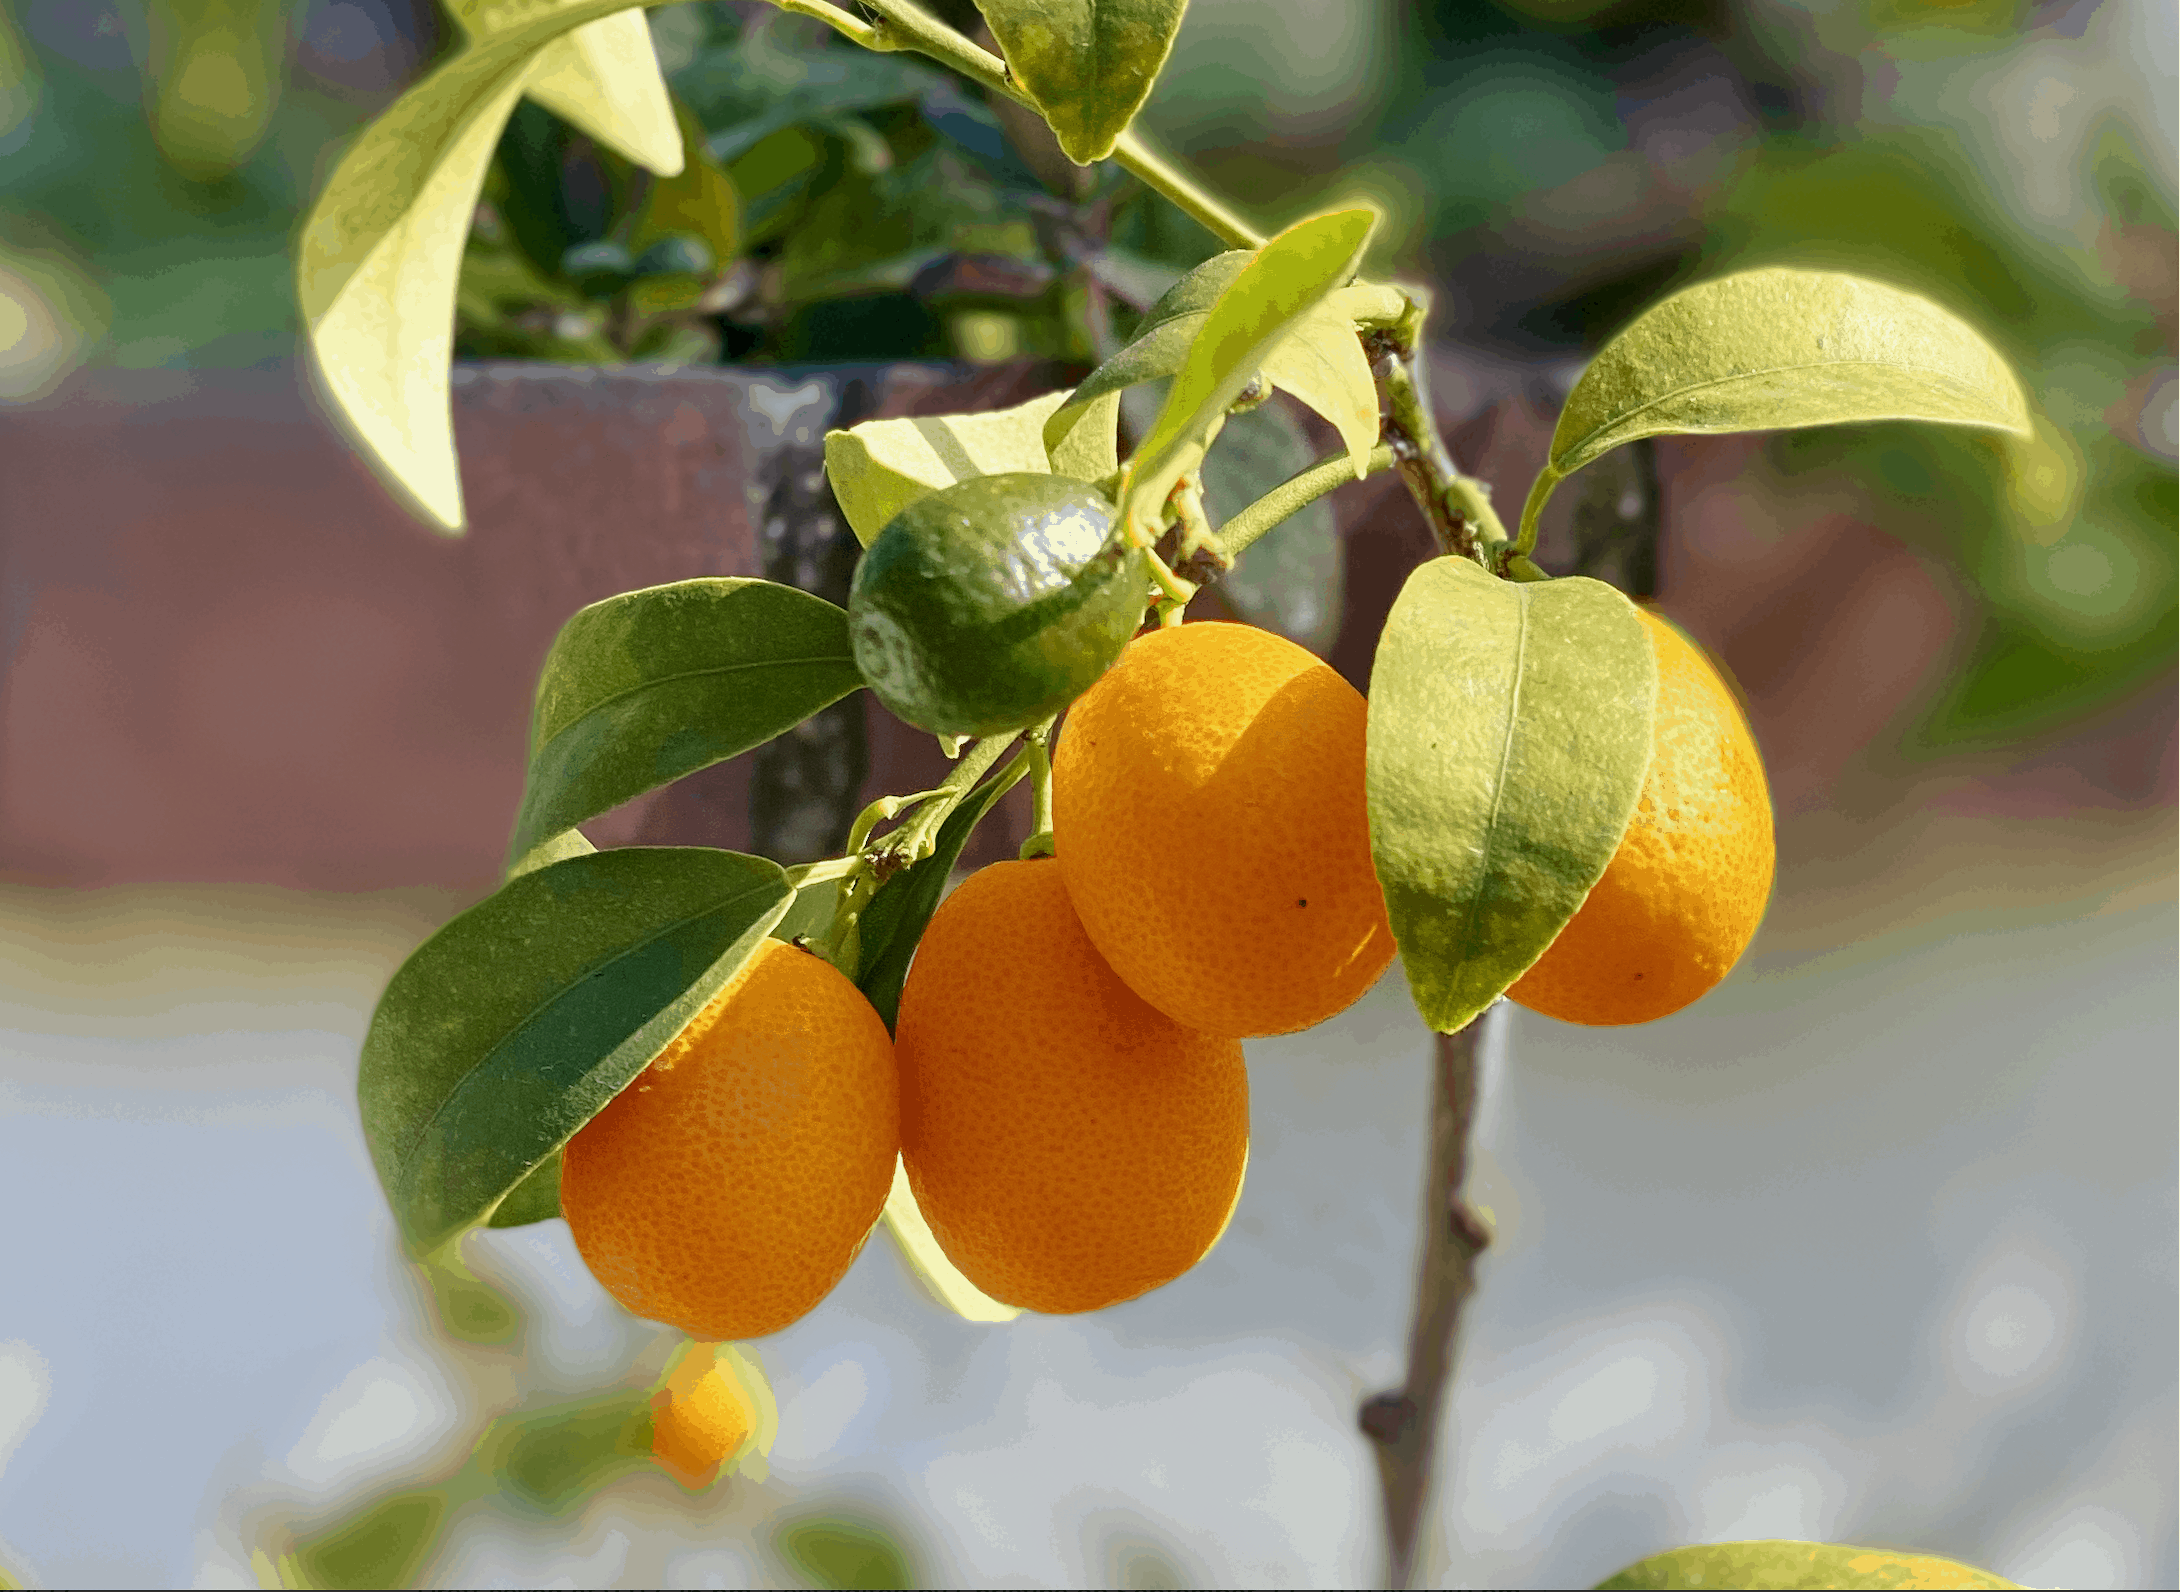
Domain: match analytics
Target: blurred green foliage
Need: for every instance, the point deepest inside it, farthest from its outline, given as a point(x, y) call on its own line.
point(1550, 167)
point(843, 1550)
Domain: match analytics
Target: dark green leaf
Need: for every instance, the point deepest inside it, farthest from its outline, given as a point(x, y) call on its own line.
point(844, 1552)
point(1777, 348)
point(1290, 581)
point(384, 1546)
point(1766, 1566)
point(535, 1199)
point(645, 687)
point(1089, 64)
point(1509, 733)
point(552, 1459)
point(894, 921)
point(512, 1026)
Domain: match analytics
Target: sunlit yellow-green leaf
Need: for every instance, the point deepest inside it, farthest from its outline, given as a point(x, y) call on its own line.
point(1780, 1565)
point(1509, 732)
point(379, 255)
point(1271, 295)
point(603, 79)
point(882, 466)
point(1779, 348)
point(1320, 360)
point(1089, 64)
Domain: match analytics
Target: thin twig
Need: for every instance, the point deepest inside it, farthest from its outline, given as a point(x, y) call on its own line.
point(902, 25)
point(1404, 1425)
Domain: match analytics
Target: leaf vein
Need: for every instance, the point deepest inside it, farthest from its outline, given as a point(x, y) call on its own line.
point(405, 1162)
point(1617, 421)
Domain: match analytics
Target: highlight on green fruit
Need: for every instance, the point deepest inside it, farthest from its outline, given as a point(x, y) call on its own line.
point(991, 604)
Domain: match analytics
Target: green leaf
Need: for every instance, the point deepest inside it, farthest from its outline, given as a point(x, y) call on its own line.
point(1774, 349)
point(552, 1459)
point(536, 1198)
point(894, 921)
point(603, 79)
point(645, 687)
point(844, 1551)
point(1764, 1566)
point(1320, 361)
point(384, 1545)
point(697, 202)
point(1291, 580)
point(1277, 289)
point(882, 466)
point(1089, 64)
point(1509, 732)
point(379, 254)
point(512, 1026)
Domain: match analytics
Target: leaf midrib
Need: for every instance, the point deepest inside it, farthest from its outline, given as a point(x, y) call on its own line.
point(1469, 937)
point(1749, 375)
point(404, 1162)
point(650, 682)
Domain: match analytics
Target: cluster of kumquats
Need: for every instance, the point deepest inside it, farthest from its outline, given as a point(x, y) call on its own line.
point(1066, 1085)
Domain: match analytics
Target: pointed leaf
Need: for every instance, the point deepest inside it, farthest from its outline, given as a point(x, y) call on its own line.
point(1763, 1566)
point(379, 254)
point(1089, 64)
point(882, 466)
point(512, 1026)
point(1285, 280)
point(697, 202)
point(1320, 362)
point(645, 687)
point(1777, 348)
point(602, 79)
point(1509, 731)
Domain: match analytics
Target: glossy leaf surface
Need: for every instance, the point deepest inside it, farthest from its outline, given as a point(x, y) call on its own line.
point(1509, 732)
point(645, 687)
point(379, 254)
point(1778, 348)
point(882, 466)
point(512, 1026)
point(1278, 288)
point(1320, 361)
point(603, 79)
point(1089, 64)
point(1764, 1566)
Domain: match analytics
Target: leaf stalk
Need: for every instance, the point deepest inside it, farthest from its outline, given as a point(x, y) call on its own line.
point(902, 25)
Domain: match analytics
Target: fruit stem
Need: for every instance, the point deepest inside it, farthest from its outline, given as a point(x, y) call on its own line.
point(1457, 507)
point(1293, 495)
point(901, 25)
point(1403, 1426)
point(913, 841)
point(1039, 751)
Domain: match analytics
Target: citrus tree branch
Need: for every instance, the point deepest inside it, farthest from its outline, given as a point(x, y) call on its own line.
point(1403, 1425)
point(1457, 507)
point(1292, 495)
point(903, 25)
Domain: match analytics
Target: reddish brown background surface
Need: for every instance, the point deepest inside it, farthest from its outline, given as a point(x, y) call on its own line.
point(231, 656)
